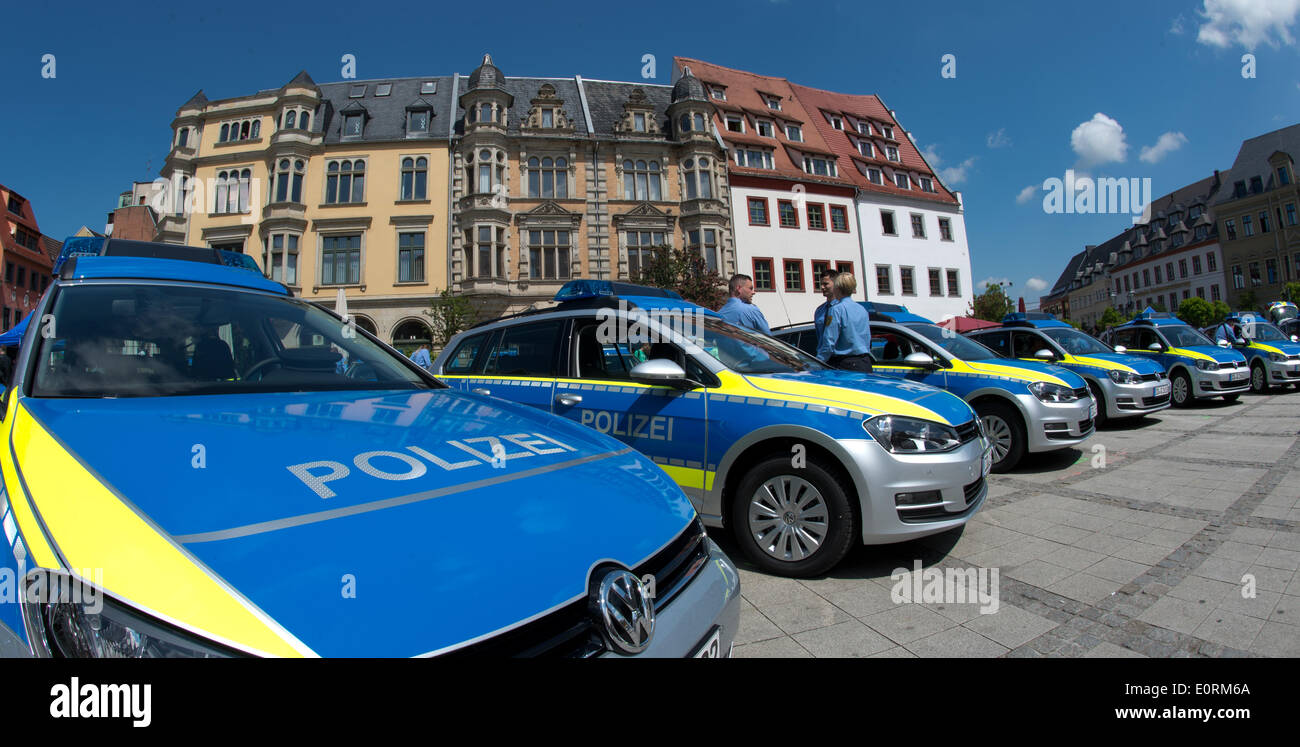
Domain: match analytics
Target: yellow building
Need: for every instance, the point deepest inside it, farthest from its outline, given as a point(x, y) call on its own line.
point(336, 186)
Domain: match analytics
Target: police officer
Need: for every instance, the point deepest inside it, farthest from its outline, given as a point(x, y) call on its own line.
point(827, 286)
point(1229, 332)
point(421, 356)
point(846, 339)
point(740, 309)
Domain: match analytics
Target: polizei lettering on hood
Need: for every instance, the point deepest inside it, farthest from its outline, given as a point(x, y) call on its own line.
point(413, 463)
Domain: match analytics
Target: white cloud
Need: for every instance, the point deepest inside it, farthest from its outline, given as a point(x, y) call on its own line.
point(986, 282)
point(1035, 285)
point(1026, 194)
point(1247, 22)
point(1177, 26)
point(931, 155)
point(1165, 144)
point(1099, 140)
point(998, 139)
point(954, 175)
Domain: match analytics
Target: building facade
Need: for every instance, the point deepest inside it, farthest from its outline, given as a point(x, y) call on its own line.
point(1257, 217)
point(26, 257)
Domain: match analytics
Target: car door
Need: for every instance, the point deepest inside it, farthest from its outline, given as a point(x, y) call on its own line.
point(666, 423)
point(999, 342)
point(521, 363)
point(890, 348)
point(1025, 344)
point(468, 357)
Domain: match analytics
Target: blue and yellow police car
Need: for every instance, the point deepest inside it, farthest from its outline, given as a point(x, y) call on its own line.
point(190, 472)
point(1273, 356)
point(1024, 406)
point(800, 461)
point(1197, 367)
point(1123, 385)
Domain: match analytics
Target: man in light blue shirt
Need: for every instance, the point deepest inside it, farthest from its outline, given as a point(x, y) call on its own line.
point(846, 339)
point(1228, 331)
point(827, 285)
point(740, 309)
point(421, 357)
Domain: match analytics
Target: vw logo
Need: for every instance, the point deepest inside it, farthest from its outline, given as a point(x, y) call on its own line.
point(626, 610)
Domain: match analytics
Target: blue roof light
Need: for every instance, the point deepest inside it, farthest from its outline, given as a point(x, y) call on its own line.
point(79, 246)
point(584, 288)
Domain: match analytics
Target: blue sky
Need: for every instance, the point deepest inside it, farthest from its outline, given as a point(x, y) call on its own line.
point(1031, 80)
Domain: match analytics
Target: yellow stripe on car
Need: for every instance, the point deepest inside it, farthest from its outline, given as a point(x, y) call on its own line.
point(985, 368)
point(1190, 354)
point(1085, 360)
point(824, 394)
point(42, 554)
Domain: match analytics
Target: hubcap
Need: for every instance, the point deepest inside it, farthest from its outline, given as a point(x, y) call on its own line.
point(1257, 379)
point(1180, 390)
point(999, 433)
point(788, 518)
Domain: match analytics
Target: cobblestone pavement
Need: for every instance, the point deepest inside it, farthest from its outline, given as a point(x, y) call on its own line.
point(1144, 556)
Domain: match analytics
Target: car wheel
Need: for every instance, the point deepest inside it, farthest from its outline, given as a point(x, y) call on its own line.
point(1101, 418)
point(1004, 427)
point(1258, 379)
point(1180, 389)
point(794, 521)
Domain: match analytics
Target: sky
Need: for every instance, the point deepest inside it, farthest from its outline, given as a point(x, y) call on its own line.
point(1000, 100)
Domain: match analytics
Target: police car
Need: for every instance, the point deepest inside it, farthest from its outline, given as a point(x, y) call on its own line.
point(1274, 356)
point(190, 470)
point(1197, 367)
point(1024, 406)
point(1122, 385)
point(799, 460)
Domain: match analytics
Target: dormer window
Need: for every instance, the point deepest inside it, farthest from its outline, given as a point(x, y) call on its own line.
point(1195, 212)
point(383, 89)
point(718, 93)
point(357, 91)
point(927, 185)
point(836, 122)
point(1283, 176)
point(638, 123)
point(891, 152)
point(773, 102)
point(548, 118)
point(735, 123)
point(417, 122)
point(1256, 184)
point(764, 127)
point(819, 166)
point(864, 128)
point(429, 86)
point(887, 131)
point(794, 133)
point(901, 180)
point(353, 124)
point(866, 149)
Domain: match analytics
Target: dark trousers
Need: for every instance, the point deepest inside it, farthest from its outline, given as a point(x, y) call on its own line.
point(860, 363)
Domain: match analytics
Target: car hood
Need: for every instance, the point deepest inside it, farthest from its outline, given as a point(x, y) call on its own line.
point(868, 393)
point(1210, 352)
point(1121, 361)
point(174, 497)
point(1277, 346)
point(1027, 371)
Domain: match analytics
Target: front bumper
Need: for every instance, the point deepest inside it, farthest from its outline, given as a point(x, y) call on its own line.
point(956, 476)
point(1219, 383)
point(711, 600)
point(1283, 373)
point(1129, 400)
point(1056, 425)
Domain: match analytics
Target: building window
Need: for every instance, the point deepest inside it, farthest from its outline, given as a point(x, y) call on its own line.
point(1230, 230)
point(755, 159)
point(1263, 221)
point(819, 166)
point(291, 119)
point(839, 218)
point(1214, 292)
point(1169, 271)
point(1283, 176)
point(1247, 226)
point(864, 128)
point(945, 229)
point(901, 180)
point(345, 182)
point(1210, 262)
point(638, 122)
point(718, 93)
point(417, 122)
point(1270, 268)
point(640, 246)
point(1196, 265)
point(763, 274)
point(247, 129)
point(549, 177)
point(1157, 273)
point(1146, 276)
point(487, 248)
point(232, 191)
point(927, 184)
point(485, 113)
point(786, 214)
point(183, 136)
point(641, 180)
point(341, 260)
point(773, 102)
point(705, 243)
point(794, 133)
point(735, 123)
point(954, 288)
point(887, 223)
point(866, 149)
point(907, 283)
point(1238, 280)
point(887, 131)
point(794, 275)
point(758, 211)
point(816, 217)
point(891, 152)
point(1202, 232)
point(548, 255)
point(410, 257)
point(415, 178)
point(353, 125)
point(875, 176)
point(764, 128)
point(288, 180)
point(882, 281)
point(918, 226)
point(1255, 280)
point(836, 122)
point(936, 282)
point(1200, 292)
point(282, 257)
point(696, 174)
point(819, 267)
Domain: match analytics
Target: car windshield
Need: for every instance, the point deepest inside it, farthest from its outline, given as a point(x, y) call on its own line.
point(748, 352)
point(1183, 336)
point(150, 340)
point(959, 347)
point(1263, 332)
point(1076, 342)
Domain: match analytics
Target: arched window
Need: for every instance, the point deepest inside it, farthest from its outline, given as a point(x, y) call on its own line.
point(183, 137)
point(220, 193)
point(345, 181)
point(415, 177)
point(684, 124)
point(696, 175)
point(290, 119)
point(257, 128)
point(484, 171)
point(641, 180)
point(304, 121)
point(485, 113)
point(288, 180)
point(548, 177)
point(699, 123)
point(243, 130)
point(225, 133)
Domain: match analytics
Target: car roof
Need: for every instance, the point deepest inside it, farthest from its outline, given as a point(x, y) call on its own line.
point(148, 268)
point(586, 294)
point(1033, 319)
point(1153, 318)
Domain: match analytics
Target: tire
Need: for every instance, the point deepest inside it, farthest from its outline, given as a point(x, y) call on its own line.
point(1257, 372)
point(1231, 397)
point(825, 521)
point(1181, 379)
point(1101, 418)
point(1006, 429)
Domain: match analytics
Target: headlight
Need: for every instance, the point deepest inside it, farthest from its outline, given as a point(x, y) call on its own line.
point(1207, 365)
point(911, 436)
point(1049, 392)
point(1277, 357)
point(1124, 377)
point(69, 619)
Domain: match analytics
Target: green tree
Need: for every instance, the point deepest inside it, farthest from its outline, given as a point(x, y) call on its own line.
point(1246, 301)
point(991, 305)
point(685, 272)
point(449, 314)
point(1160, 306)
point(1109, 318)
point(1197, 312)
point(1291, 292)
point(1220, 311)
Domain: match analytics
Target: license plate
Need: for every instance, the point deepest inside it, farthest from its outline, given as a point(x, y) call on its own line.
point(1239, 376)
point(712, 648)
point(1162, 390)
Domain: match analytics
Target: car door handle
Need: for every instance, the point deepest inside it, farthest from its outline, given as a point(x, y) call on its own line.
point(569, 399)
point(482, 391)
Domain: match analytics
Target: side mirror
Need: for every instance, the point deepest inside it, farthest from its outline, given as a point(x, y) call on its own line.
point(1224, 344)
point(920, 360)
point(1045, 355)
point(1121, 349)
point(1156, 347)
point(659, 371)
point(1294, 338)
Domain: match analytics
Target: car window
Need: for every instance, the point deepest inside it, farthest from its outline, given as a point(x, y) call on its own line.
point(596, 359)
point(890, 348)
point(526, 350)
point(959, 347)
point(748, 352)
point(461, 360)
point(1183, 336)
point(1076, 342)
point(1025, 344)
point(998, 342)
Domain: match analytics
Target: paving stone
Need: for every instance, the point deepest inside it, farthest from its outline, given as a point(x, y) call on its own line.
point(908, 622)
point(1085, 587)
point(1011, 626)
point(1201, 589)
point(1117, 569)
point(1277, 639)
point(1229, 629)
point(1276, 557)
point(849, 639)
point(1177, 614)
point(776, 648)
point(754, 626)
point(1039, 573)
point(897, 652)
point(956, 642)
point(1074, 558)
point(1111, 651)
point(797, 617)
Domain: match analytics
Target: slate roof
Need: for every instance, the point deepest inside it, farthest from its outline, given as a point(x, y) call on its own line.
point(385, 115)
point(1252, 161)
point(605, 102)
point(1062, 284)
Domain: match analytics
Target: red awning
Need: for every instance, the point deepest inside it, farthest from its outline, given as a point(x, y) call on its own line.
point(962, 324)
